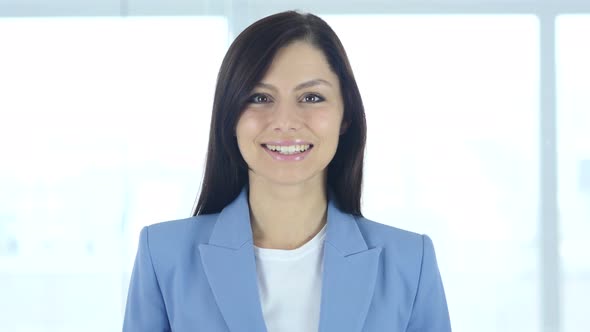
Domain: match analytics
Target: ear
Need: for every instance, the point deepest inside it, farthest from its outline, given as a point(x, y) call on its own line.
point(344, 126)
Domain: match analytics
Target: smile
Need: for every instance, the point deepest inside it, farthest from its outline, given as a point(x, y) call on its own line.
point(294, 152)
point(288, 149)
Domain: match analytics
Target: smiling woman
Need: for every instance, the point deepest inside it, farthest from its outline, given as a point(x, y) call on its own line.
point(277, 241)
point(290, 113)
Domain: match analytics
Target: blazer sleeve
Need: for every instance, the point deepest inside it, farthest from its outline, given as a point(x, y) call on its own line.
point(145, 310)
point(429, 312)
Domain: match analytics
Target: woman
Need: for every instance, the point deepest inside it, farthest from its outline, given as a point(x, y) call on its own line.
point(277, 241)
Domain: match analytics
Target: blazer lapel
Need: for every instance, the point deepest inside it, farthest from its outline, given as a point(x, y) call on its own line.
point(230, 266)
point(348, 281)
point(350, 271)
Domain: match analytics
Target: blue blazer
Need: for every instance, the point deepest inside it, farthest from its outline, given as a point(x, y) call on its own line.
point(199, 275)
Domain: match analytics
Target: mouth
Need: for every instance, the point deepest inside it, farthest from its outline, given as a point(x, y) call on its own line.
point(292, 152)
point(288, 149)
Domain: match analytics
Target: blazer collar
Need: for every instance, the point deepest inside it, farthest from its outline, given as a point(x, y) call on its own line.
point(348, 280)
point(233, 228)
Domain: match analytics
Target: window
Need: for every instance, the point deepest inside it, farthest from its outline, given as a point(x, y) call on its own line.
point(573, 106)
point(452, 114)
point(104, 128)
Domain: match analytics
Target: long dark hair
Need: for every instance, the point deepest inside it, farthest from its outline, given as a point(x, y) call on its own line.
point(244, 65)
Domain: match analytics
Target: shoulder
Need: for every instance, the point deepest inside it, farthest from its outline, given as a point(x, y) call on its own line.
point(173, 237)
point(408, 262)
point(381, 235)
point(405, 248)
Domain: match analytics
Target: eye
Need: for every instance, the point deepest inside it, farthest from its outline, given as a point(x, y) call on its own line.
point(312, 98)
point(259, 98)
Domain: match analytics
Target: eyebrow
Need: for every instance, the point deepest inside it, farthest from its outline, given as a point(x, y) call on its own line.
point(308, 84)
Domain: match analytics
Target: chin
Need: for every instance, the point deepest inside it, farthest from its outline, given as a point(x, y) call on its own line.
point(287, 177)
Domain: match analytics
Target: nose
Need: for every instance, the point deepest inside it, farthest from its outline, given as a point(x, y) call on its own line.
point(286, 118)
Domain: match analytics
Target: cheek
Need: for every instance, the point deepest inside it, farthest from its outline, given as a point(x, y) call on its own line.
point(327, 125)
point(247, 129)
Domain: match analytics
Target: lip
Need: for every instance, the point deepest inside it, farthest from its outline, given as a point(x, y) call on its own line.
point(290, 157)
point(287, 142)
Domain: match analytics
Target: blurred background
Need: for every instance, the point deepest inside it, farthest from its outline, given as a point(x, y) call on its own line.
point(479, 135)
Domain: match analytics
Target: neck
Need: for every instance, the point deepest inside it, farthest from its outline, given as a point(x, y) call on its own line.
point(286, 216)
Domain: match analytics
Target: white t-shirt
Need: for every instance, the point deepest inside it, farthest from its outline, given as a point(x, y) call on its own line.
point(289, 284)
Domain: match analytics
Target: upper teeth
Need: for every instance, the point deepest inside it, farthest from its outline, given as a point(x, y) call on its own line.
point(290, 149)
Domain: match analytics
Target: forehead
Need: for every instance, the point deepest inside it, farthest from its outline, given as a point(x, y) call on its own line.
point(299, 61)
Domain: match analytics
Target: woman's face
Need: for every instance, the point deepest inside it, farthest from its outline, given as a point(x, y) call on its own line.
point(289, 130)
